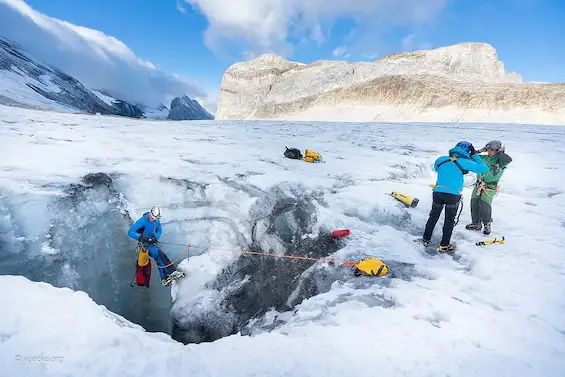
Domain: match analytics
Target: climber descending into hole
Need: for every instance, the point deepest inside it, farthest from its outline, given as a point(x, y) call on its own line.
point(147, 230)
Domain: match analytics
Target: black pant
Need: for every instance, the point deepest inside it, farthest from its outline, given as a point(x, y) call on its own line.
point(451, 203)
point(481, 211)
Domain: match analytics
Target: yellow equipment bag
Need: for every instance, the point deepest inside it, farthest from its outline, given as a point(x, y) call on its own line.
point(311, 156)
point(405, 199)
point(371, 267)
point(143, 257)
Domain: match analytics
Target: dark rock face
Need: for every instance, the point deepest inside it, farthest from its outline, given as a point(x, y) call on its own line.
point(185, 108)
point(56, 85)
point(128, 110)
point(253, 285)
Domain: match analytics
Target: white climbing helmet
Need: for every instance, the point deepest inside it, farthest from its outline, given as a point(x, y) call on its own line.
point(155, 212)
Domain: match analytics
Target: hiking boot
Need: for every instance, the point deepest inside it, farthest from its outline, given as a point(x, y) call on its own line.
point(166, 281)
point(487, 229)
point(474, 227)
point(177, 275)
point(425, 242)
point(445, 249)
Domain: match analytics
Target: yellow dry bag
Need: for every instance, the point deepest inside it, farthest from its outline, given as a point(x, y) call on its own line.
point(143, 257)
point(405, 199)
point(311, 156)
point(371, 267)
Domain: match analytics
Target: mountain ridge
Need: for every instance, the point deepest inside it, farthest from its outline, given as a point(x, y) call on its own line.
point(25, 81)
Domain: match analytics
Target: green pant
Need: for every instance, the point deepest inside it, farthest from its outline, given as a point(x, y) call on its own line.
point(481, 205)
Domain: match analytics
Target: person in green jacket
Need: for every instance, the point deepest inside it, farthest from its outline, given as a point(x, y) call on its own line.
point(486, 186)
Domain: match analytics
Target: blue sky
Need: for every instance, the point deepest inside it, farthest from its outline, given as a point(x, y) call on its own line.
point(529, 35)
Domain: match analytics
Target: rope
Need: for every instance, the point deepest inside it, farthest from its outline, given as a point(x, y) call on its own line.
point(460, 210)
point(297, 257)
point(132, 284)
point(175, 261)
point(482, 189)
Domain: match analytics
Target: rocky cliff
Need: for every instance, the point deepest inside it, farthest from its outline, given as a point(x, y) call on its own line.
point(463, 82)
point(185, 108)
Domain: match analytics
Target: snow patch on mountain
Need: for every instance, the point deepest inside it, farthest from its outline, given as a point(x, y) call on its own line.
point(104, 97)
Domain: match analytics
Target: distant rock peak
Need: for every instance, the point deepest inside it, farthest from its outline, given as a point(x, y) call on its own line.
point(185, 108)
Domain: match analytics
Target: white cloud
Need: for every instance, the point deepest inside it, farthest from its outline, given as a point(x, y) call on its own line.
point(210, 102)
point(180, 7)
point(271, 25)
point(340, 51)
point(97, 60)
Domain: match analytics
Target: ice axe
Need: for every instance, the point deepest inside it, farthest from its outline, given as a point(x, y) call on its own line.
point(490, 242)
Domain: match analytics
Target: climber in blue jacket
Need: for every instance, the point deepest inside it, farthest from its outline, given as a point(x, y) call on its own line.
point(447, 191)
point(148, 230)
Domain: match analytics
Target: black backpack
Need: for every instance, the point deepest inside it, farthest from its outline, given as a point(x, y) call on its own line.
point(293, 153)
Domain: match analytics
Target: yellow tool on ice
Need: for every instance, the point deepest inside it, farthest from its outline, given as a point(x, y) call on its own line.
point(371, 267)
point(408, 201)
point(490, 242)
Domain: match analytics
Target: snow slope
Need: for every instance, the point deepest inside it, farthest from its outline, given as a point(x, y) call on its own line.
point(498, 311)
point(110, 101)
point(465, 82)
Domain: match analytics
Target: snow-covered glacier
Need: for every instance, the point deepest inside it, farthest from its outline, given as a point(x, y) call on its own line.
point(70, 185)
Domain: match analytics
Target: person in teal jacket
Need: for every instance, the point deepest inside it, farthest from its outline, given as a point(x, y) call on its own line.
point(450, 170)
point(147, 230)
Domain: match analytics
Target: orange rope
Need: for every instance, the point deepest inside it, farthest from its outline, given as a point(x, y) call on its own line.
point(329, 260)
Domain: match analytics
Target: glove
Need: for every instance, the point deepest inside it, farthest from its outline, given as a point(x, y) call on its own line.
point(472, 150)
point(151, 241)
point(143, 238)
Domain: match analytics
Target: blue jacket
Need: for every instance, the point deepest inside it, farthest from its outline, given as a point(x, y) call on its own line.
point(450, 177)
point(146, 227)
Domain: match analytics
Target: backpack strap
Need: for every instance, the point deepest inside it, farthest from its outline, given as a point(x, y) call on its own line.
point(454, 160)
